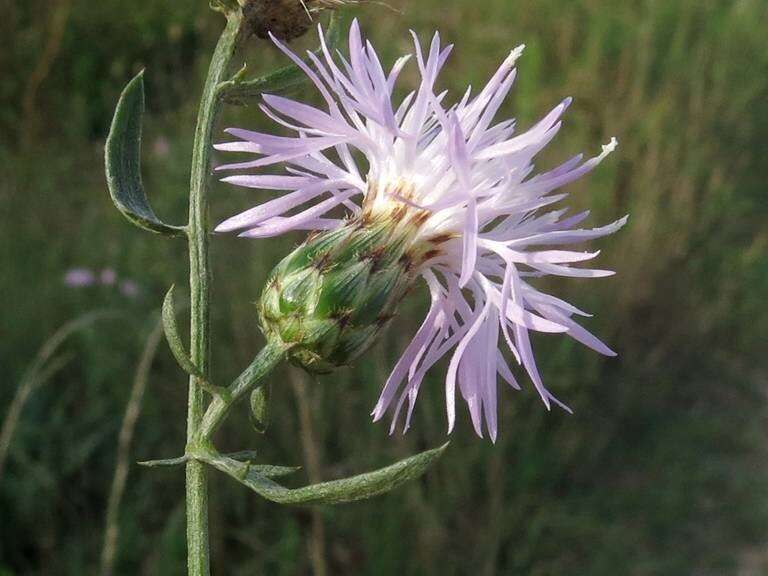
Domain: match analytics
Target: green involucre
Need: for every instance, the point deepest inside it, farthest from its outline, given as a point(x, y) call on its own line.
point(332, 296)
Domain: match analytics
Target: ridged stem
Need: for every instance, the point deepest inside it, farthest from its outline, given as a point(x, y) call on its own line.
point(198, 558)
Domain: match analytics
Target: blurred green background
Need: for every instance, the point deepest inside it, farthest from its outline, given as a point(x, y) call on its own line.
point(661, 471)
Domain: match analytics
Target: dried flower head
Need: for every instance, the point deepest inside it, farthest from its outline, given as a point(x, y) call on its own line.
point(285, 19)
point(431, 191)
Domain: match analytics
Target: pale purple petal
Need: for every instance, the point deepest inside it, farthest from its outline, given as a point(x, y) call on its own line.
point(275, 227)
point(276, 207)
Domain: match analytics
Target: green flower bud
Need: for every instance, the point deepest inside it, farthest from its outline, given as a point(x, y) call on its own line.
point(332, 296)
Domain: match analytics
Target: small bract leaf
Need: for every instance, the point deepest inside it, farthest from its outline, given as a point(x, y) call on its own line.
point(172, 335)
point(122, 160)
point(260, 408)
point(165, 462)
point(244, 456)
point(270, 471)
point(335, 492)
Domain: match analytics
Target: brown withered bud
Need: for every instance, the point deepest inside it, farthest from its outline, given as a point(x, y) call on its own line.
point(286, 19)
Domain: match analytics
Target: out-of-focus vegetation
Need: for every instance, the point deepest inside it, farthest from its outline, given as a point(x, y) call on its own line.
point(661, 469)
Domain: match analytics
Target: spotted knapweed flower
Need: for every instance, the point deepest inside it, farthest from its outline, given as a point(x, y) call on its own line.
point(416, 189)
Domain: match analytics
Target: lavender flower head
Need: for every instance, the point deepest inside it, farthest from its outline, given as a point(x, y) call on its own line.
point(407, 190)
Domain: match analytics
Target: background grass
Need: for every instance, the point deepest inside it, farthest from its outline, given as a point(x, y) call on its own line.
point(660, 470)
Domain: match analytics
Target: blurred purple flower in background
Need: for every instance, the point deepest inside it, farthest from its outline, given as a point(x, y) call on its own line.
point(161, 147)
point(468, 187)
point(108, 277)
point(130, 289)
point(79, 278)
point(85, 277)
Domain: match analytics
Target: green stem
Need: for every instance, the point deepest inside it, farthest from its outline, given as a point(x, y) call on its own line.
point(264, 362)
point(198, 559)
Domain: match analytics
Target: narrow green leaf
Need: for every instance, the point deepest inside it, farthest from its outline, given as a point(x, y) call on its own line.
point(172, 335)
point(164, 462)
point(260, 408)
point(270, 471)
point(266, 470)
point(335, 492)
point(238, 91)
point(243, 455)
point(122, 160)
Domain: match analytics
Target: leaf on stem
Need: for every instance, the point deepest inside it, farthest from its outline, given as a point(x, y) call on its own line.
point(238, 91)
point(164, 462)
point(270, 471)
point(172, 335)
point(335, 492)
point(244, 458)
point(122, 160)
point(243, 455)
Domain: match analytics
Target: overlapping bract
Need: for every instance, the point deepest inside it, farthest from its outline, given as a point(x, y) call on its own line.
point(472, 175)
